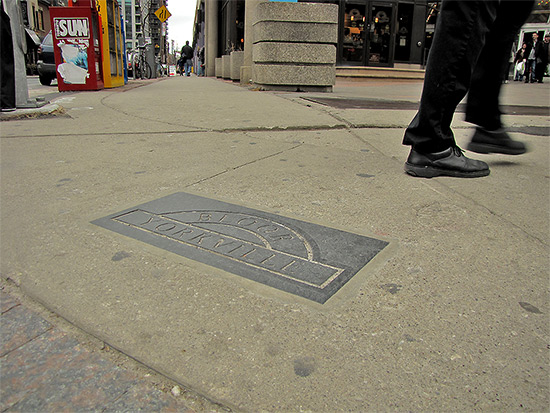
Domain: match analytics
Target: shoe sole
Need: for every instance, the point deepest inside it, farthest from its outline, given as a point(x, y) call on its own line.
point(488, 148)
point(431, 172)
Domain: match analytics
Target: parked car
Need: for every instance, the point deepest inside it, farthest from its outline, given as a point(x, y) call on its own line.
point(46, 61)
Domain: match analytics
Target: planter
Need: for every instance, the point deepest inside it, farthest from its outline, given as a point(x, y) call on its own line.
point(226, 64)
point(219, 67)
point(237, 60)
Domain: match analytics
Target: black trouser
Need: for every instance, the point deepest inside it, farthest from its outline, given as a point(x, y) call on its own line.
point(470, 52)
point(540, 68)
point(7, 62)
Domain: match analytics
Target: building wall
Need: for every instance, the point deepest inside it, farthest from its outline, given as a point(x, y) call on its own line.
point(402, 44)
point(199, 35)
point(412, 25)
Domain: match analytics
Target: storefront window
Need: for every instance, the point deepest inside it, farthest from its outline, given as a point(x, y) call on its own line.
point(404, 32)
point(232, 26)
point(354, 33)
point(380, 34)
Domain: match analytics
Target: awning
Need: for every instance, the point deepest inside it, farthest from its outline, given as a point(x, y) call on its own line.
point(33, 36)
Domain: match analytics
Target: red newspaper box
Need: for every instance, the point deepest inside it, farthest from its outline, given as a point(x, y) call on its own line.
point(77, 49)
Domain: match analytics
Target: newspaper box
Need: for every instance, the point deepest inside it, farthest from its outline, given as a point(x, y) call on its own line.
point(77, 49)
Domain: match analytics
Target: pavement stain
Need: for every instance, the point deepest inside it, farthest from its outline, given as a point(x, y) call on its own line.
point(304, 366)
point(392, 288)
point(529, 308)
point(62, 182)
point(119, 256)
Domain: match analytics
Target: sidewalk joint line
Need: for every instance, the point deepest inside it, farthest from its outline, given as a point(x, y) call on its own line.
point(242, 165)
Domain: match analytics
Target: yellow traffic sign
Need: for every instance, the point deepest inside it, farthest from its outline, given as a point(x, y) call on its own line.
point(163, 14)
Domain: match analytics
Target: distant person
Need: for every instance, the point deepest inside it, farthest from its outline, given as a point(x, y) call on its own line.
point(519, 63)
point(533, 49)
point(465, 60)
point(187, 55)
point(201, 62)
point(541, 59)
point(546, 45)
point(181, 62)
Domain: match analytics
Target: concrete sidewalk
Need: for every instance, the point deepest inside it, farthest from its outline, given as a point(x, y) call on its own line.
point(452, 315)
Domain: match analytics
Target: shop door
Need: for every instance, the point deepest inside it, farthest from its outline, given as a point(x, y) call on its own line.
point(380, 39)
point(367, 33)
point(353, 47)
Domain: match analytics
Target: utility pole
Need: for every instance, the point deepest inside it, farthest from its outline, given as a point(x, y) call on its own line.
point(145, 6)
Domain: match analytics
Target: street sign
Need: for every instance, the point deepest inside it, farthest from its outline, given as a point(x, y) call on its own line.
point(163, 14)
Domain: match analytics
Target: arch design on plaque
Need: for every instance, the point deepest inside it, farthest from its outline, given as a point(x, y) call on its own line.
point(247, 239)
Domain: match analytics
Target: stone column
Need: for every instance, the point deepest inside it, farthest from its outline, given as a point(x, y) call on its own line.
point(249, 20)
point(295, 46)
point(211, 40)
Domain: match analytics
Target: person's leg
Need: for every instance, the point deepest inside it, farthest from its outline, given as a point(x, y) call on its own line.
point(482, 107)
point(539, 72)
point(460, 35)
point(483, 99)
point(527, 72)
point(521, 73)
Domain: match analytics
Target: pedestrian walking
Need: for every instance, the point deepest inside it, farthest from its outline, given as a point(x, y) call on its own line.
point(201, 62)
point(546, 45)
point(533, 49)
point(469, 53)
point(187, 55)
point(541, 59)
point(181, 64)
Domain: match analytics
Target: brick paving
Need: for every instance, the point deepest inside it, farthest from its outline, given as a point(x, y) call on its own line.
point(44, 369)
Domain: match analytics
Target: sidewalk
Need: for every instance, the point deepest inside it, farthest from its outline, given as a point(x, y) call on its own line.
point(451, 315)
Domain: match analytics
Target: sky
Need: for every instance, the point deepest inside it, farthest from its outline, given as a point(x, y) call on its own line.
point(180, 23)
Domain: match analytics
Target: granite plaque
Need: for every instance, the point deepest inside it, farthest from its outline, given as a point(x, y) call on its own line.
point(298, 257)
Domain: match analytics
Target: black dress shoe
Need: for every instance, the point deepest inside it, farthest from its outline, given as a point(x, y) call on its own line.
point(450, 162)
point(498, 141)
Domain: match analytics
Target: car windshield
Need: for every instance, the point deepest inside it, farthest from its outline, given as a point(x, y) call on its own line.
point(48, 40)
